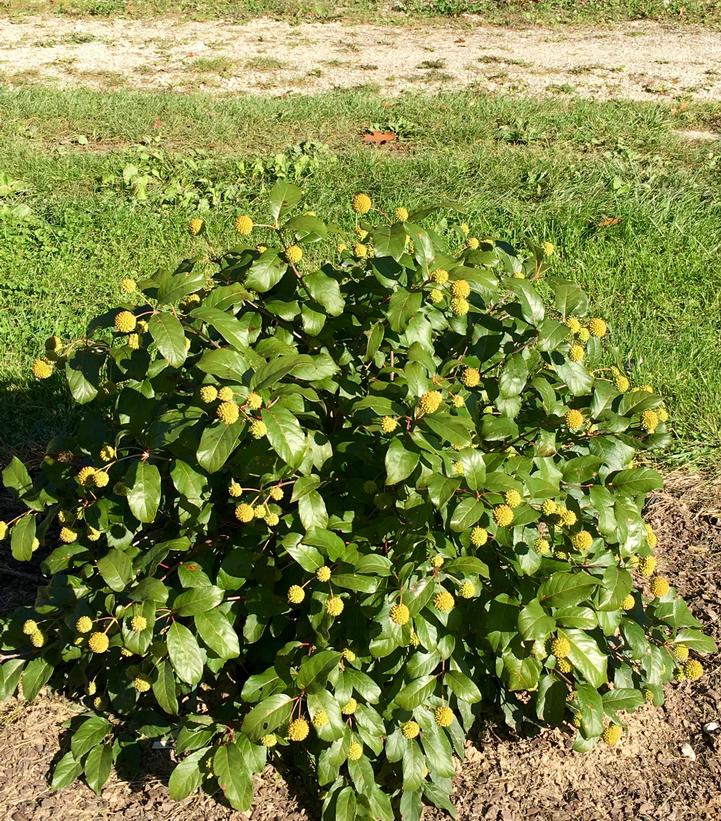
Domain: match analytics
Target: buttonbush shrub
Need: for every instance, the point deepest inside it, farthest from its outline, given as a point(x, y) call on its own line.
point(335, 510)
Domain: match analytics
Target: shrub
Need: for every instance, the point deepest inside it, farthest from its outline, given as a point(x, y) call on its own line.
point(335, 510)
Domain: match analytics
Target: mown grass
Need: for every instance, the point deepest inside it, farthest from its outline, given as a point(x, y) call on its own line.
point(555, 169)
point(387, 11)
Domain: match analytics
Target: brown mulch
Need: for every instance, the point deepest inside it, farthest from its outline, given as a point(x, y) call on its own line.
point(668, 766)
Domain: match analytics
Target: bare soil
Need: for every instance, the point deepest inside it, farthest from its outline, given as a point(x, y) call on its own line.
point(642, 61)
point(667, 767)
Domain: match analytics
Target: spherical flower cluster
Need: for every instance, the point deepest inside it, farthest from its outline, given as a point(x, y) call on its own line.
point(647, 565)
point(430, 402)
point(479, 536)
point(84, 474)
point(584, 334)
point(437, 561)
point(42, 369)
point(471, 377)
point(228, 413)
point(243, 225)
point(225, 394)
point(443, 716)
point(84, 624)
point(349, 707)
point(680, 652)
point(271, 519)
point(298, 730)
point(107, 453)
point(254, 401)
point(659, 586)
point(208, 394)
point(127, 285)
point(542, 546)
point(662, 414)
point(628, 603)
point(258, 429)
point(361, 203)
point(67, 535)
point(693, 670)
point(621, 382)
point(348, 654)
point(466, 590)
point(649, 421)
point(276, 493)
point(573, 324)
point(244, 513)
point(234, 489)
point(459, 306)
point(360, 250)
point(560, 647)
point(133, 341)
point(444, 601)
point(320, 719)
point(399, 614)
point(461, 288)
point(401, 214)
point(573, 419)
point(138, 623)
point(141, 684)
point(597, 327)
point(30, 626)
point(93, 535)
point(296, 594)
point(440, 276)
point(651, 539)
point(323, 573)
point(100, 478)
point(98, 642)
point(582, 540)
point(334, 606)
point(576, 353)
point(195, 226)
point(549, 507)
point(388, 424)
point(513, 498)
point(436, 296)
point(269, 740)
point(502, 515)
point(37, 639)
point(125, 322)
point(410, 729)
point(473, 243)
point(566, 516)
point(355, 751)
point(548, 248)
point(612, 734)
point(563, 666)
point(294, 254)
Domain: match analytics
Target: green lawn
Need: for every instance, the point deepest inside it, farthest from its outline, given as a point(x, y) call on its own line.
point(399, 11)
point(71, 227)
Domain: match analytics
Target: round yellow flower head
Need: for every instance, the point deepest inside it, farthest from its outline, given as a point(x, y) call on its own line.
point(228, 413)
point(30, 626)
point(459, 306)
point(334, 606)
point(361, 233)
point(107, 453)
point(234, 489)
point(513, 498)
point(693, 670)
point(443, 716)
point(42, 369)
point(269, 740)
point(542, 547)
point(612, 734)
point(133, 341)
point(597, 327)
point(258, 429)
point(410, 729)
point(67, 535)
point(574, 324)
point(576, 353)
point(646, 388)
point(473, 243)
point(461, 288)
point(584, 334)
point(502, 515)
point(243, 225)
point(649, 421)
point(399, 614)
point(98, 642)
point(458, 469)
point(444, 601)
point(414, 641)
point(244, 513)
point(568, 517)
point(388, 424)
point(436, 296)
point(141, 684)
point(360, 250)
point(320, 719)
point(208, 394)
point(323, 573)
point(271, 519)
point(298, 730)
point(349, 707)
point(574, 419)
point(195, 226)
point(621, 382)
point(276, 493)
point(466, 590)
point(430, 402)
point(437, 561)
point(355, 751)
point(138, 623)
point(53, 344)
point(439, 276)
point(401, 214)
point(348, 654)
point(100, 478)
point(662, 414)
point(648, 696)
point(549, 507)
point(560, 647)
point(254, 401)
point(651, 539)
point(680, 652)
point(84, 474)
point(127, 285)
point(659, 586)
point(84, 624)
point(563, 666)
point(93, 535)
point(294, 254)
point(296, 594)
point(361, 203)
point(225, 394)
point(125, 322)
point(471, 377)
point(647, 565)
point(37, 639)
point(582, 540)
point(548, 249)
point(628, 603)
point(458, 401)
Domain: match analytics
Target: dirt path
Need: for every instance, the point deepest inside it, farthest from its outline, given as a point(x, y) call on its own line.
point(635, 61)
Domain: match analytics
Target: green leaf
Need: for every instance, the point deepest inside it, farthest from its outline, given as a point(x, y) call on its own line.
point(637, 481)
point(143, 495)
point(466, 513)
point(169, 336)
point(312, 511)
point(345, 808)
point(414, 764)
point(622, 698)
point(326, 291)
point(513, 377)
point(270, 373)
point(66, 771)
point(116, 569)
point(283, 196)
point(403, 306)
point(266, 272)
point(267, 716)
point(441, 489)
point(198, 600)
point(98, 765)
point(233, 776)
point(216, 445)
point(285, 435)
point(22, 539)
point(186, 777)
point(531, 304)
point(462, 686)
point(17, 478)
point(695, 640)
point(317, 666)
point(35, 676)
point(415, 693)
point(534, 623)
point(551, 700)
point(563, 589)
point(587, 657)
point(164, 687)
point(400, 463)
point(185, 654)
point(90, 733)
point(83, 374)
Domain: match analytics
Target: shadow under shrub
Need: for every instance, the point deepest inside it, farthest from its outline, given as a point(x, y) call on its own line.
point(342, 508)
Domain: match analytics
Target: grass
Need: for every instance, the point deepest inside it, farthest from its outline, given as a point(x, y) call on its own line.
point(384, 11)
point(633, 209)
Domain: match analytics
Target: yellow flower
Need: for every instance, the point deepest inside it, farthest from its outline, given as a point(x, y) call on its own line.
point(628, 603)
point(467, 590)
point(254, 401)
point(208, 394)
point(37, 639)
point(323, 573)
point(399, 614)
point(107, 453)
point(659, 586)
point(460, 288)
point(651, 539)
point(549, 507)
point(612, 734)
point(361, 203)
point(276, 493)
point(349, 707)
point(649, 421)
point(459, 306)
point(244, 513)
point(479, 536)
point(348, 654)
point(597, 327)
point(195, 226)
point(414, 640)
point(443, 716)
point(436, 296)
point(401, 214)
point(574, 324)
point(621, 382)
point(542, 547)
point(458, 401)
point(298, 730)
point(568, 517)
point(228, 413)
point(296, 594)
point(271, 519)
point(584, 334)
point(471, 377)
point(573, 419)
point(84, 624)
point(464, 228)
point(42, 369)
point(680, 652)
point(334, 606)
point(93, 535)
point(473, 243)
point(439, 276)
point(138, 624)
point(127, 285)
point(548, 249)
point(582, 540)
point(30, 626)
point(225, 394)
point(502, 515)
point(67, 535)
point(294, 254)
point(444, 601)
point(84, 474)
point(125, 322)
point(361, 233)
point(647, 565)
point(258, 429)
point(360, 250)
point(693, 670)
point(563, 666)
point(576, 353)
point(100, 479)
point(513, 498)
point(388, 424)
point(98, 642)
point(437, 561)
point(560, 647)
point(320, 719)
point(133, 341)
point(410, 729)
point(269, 740)
point(141, 684)
point(458, 469)
point(648, 696)
point(234, 489)
point(355, 751)
point(430, 402)
point(243, 225)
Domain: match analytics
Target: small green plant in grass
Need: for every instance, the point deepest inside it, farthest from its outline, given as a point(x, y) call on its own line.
point(332, 511)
